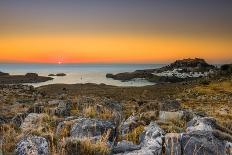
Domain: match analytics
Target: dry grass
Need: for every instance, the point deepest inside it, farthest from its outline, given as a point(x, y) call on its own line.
point(133, 136)
point(213, 100)
point(174, 126)
point(10, 136)
point(87, 146)
point(104, 113)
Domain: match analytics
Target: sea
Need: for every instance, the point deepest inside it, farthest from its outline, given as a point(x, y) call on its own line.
point(80, 73)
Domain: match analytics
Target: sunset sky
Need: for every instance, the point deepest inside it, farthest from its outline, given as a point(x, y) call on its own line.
point(115, 31)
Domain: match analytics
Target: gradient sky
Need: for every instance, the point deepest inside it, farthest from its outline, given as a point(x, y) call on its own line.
point(115, 31)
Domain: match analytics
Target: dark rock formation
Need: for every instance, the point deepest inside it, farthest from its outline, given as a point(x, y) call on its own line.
point(4, 74)
point(60, 74)
point(129, 76)
point(28, 78)
point(226, 69)
point(32, 75)
point(32, 145)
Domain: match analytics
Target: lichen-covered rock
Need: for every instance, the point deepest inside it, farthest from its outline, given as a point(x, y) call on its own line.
point(32, 145)
point(91, 128)
point(151, 141)
point(125, 146)
point(201, 124)
point(202, 142)
point(32, 121)
point(63, 108)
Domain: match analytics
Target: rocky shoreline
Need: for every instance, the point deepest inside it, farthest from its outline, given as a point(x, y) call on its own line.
point(6, 78)
point(181, 118)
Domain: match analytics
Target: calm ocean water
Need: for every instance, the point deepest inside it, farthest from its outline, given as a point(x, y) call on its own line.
point(80, 73)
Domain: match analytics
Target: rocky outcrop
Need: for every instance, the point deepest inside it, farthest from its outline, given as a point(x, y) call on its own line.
point(32, 145)
point(129, 76)
point(150, 142)
point(92, 128)
point(200, 138)
point(4, 74)
point(202, 142)
point(201, 124)
point(28, 78)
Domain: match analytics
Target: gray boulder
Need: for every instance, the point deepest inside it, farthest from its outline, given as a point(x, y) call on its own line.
point(91, 128)
point(125, 146)
point(201, 124)
point(199, 139)
point(202, 142)
point(32, 121)
point(32, 145)
point(151, 141)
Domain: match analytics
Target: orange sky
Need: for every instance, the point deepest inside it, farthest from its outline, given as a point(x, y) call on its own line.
point(115, 31)
point(111, 48)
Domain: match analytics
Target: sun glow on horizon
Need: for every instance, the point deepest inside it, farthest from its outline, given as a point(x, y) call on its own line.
point(111, 48)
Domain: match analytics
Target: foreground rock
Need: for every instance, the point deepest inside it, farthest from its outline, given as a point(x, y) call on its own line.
point(92, 128)
point(32, 145)
point(151, 142)
point(32, 121)
point(200, 138)
point(28, 78)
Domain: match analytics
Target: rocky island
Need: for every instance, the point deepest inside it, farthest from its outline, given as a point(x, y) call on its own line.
point(181, 118)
